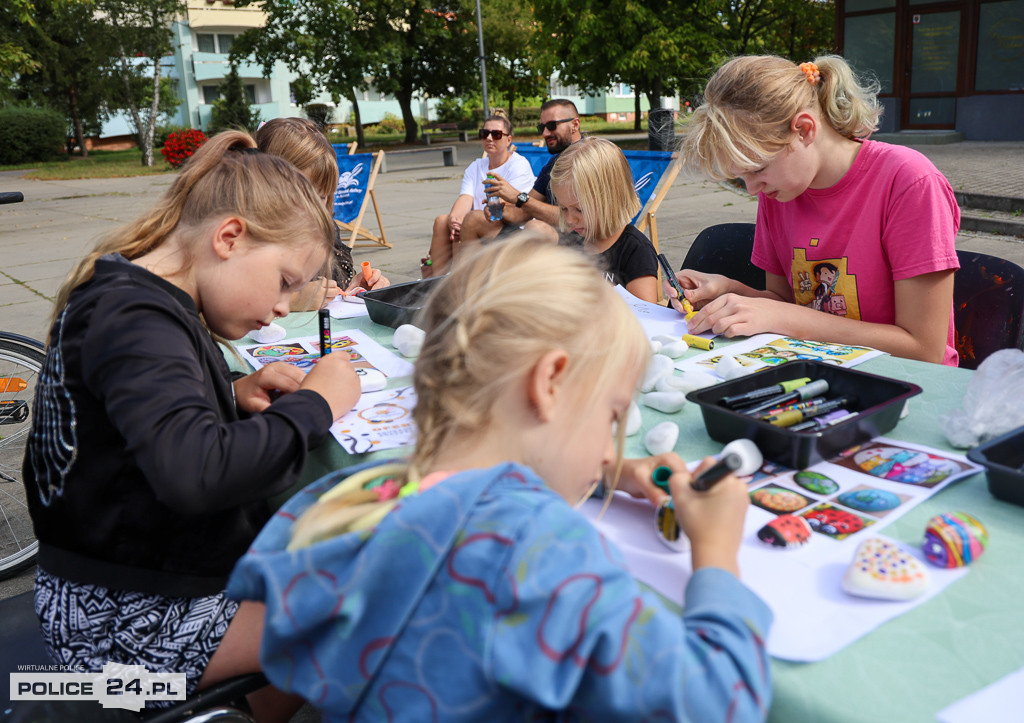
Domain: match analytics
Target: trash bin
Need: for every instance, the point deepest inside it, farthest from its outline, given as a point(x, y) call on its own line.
point(661, 129)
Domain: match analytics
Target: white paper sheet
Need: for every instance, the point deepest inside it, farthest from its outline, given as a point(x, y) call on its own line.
point(304, 351)
point(814, 617)
point(380, 420)
point(1001, 702)
point(350, 307)
point(655, 319)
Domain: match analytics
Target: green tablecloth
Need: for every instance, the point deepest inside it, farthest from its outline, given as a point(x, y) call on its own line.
point(907, 670)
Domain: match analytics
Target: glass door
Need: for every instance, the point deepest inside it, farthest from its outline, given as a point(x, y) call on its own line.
point(930, 95)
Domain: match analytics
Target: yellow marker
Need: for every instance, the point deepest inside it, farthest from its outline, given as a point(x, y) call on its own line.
point(687, 306)
point(690, 315)
point(698, 341)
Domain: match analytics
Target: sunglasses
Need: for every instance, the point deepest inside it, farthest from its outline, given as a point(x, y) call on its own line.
point(495, 134)
point(551, 125)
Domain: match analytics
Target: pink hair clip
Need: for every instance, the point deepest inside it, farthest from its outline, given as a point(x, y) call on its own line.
point(388, 490)
point(811, 71)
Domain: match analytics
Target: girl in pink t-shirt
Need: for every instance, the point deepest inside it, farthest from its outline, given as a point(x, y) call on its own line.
point(856, 237)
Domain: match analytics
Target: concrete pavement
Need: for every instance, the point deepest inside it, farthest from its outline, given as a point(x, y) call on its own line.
point(41, 238)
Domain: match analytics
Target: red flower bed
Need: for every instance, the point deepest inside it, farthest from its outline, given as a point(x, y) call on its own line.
point(180, 146)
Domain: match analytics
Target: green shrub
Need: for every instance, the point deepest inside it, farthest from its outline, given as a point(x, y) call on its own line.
point(30, 134)
point(389, 125)
point(319, 113)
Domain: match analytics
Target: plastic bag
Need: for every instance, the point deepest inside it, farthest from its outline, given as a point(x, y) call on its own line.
point(992, 403)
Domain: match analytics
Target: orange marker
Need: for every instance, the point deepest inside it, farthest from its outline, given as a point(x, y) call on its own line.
point(12, 384)
point(367, 272)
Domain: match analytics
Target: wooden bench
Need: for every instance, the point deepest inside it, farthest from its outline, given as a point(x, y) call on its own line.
point(445, 131)
point(418, 158)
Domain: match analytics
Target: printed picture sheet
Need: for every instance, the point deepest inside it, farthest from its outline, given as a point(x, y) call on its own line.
point(845, 500)
point(381, 420)
point(303, 352)
point(767, 350)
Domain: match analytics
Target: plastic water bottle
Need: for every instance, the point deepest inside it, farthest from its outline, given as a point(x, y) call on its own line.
point(494, 208)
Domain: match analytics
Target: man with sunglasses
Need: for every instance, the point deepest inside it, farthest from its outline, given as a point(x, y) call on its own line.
point(559, 127)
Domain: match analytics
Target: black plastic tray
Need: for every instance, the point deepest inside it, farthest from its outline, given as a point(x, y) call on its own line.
point(1003, 459)
point(396, 305)
point(879, 403)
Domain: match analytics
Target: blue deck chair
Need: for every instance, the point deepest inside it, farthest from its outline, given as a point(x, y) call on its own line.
point(357, 173)
point(345, 148)
point(536, 155)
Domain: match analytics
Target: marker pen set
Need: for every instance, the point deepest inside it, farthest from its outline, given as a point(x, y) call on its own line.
point(797, 404)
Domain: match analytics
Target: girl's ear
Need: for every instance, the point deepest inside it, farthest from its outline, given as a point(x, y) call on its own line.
point(805, 125)
point(545, 383)
point(228, 236)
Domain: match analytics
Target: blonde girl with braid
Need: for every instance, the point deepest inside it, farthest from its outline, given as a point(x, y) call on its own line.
point(856, 237)
point(148, 465)
point(464, 585)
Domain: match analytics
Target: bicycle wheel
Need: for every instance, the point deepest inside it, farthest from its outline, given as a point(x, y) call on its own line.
point(19, 370)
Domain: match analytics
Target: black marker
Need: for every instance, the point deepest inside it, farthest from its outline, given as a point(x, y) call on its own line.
point(325, 332)
point(813, 389)
point(670, 276)
point(726, 464)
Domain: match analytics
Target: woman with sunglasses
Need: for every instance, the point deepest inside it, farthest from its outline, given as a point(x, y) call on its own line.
point(496, 136)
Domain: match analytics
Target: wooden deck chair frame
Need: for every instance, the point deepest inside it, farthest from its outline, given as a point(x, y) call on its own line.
point(352, 147)
point(648, 214)
point(362, 237)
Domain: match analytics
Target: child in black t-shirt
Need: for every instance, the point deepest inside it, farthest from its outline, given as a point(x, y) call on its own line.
point(594, 190)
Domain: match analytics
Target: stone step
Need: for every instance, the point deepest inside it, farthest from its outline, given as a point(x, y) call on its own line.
point(995, 222)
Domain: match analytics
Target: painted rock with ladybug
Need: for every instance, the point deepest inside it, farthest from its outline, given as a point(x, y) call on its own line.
point(786, 531)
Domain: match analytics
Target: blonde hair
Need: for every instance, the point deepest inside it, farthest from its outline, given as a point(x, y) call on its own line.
point(487, 323)
point(598, 174)
point(227, 176)
point(500, 115)
point(301, 142)
point(750, 102)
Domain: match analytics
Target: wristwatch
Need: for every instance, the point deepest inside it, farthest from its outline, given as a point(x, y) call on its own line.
point(522, 198)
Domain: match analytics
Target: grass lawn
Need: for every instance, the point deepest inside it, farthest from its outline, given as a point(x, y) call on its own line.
point(99, 164)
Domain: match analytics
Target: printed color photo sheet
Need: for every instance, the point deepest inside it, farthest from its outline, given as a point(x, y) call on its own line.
point(846, 500)
point(364, 353)
point(767, 350)
point(380, 420)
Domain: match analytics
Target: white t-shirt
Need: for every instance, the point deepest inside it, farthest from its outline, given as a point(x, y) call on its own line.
point(516, 170)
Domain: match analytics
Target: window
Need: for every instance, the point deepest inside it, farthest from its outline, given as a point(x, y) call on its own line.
point(1000, 46)
point(211, 43)
point(210, 94)
point(870, 42)
point(250, 93)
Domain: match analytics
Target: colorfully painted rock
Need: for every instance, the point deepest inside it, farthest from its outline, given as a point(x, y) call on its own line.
point(869, 500)
point(881, 569)
point(954, 539)
point(777, 499)
point(786, 531)
point(816, 482)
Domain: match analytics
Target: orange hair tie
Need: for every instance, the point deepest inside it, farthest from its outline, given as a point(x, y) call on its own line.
point(811, 71)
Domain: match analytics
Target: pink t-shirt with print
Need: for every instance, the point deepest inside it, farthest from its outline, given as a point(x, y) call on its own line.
point(892, 216)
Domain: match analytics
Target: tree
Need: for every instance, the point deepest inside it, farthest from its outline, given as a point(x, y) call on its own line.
point(140, 28)
point(67, 76)
point(519, 61)
point(15, 56)
point(645, 43)
point(402, 46)
point(232, 109)
point(311, 37)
